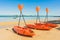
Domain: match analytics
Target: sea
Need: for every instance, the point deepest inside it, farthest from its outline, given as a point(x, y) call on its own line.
point(6, 18)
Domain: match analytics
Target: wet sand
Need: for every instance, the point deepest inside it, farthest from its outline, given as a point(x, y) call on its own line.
point(6, 33)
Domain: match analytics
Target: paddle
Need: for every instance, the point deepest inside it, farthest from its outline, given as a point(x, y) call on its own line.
point(37, 10)
point(20, 7)
point(46, 18)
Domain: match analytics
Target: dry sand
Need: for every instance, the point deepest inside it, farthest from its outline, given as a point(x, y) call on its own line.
point(5, 34)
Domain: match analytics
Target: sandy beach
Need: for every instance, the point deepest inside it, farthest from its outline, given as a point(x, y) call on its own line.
point(6, 32)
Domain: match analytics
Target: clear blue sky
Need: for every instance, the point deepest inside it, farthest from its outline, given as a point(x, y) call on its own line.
point(9, 7)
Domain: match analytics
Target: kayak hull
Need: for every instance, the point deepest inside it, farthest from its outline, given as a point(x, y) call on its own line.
point(23, 31)
point(39, 27)
point(49, 24)
point(52, 25)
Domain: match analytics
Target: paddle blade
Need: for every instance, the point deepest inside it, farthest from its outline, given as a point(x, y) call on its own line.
point(46, 10)
point(37, 8)
point(20, 7)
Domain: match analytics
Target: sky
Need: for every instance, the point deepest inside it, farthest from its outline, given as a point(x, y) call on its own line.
point(10, 7)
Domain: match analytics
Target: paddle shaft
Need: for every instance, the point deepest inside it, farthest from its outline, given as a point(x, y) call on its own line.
point(38, 18)
point(46, 18)
point(20, 18)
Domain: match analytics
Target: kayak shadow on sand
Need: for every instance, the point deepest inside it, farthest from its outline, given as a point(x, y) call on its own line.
point(54, 21)
point(58, 28)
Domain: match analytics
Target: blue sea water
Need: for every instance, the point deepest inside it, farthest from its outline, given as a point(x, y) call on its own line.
point(14, 18)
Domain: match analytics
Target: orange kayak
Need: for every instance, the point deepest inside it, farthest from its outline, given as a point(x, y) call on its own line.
point(43, 27)
point(23, 31)
point(39, 27)
point(52, 25)
point(49, 24)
